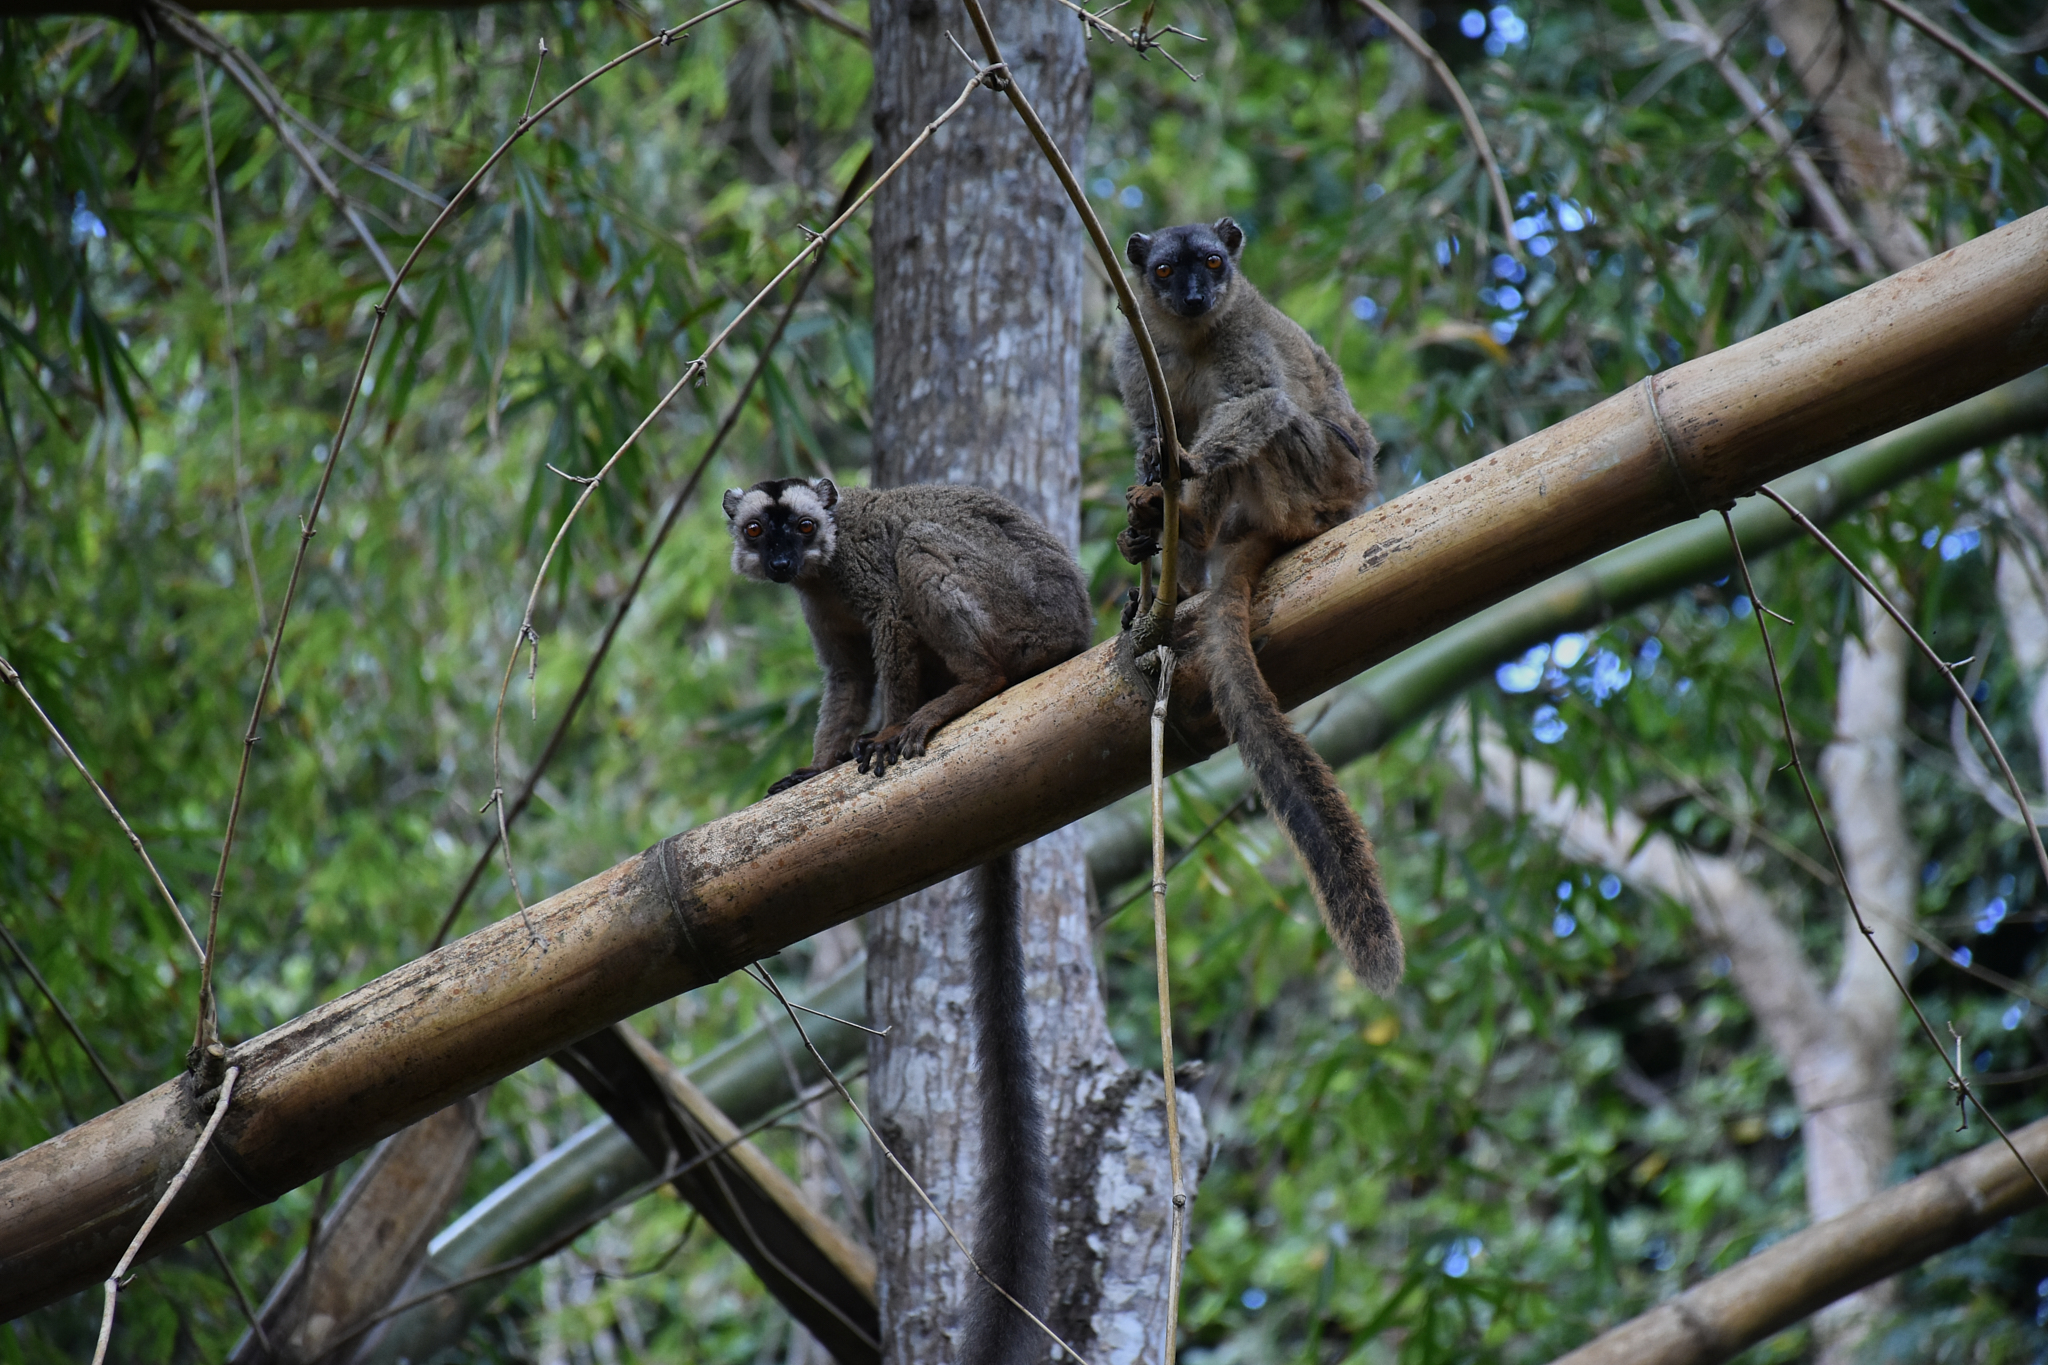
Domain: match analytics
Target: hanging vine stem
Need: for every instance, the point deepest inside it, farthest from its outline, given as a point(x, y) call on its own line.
point(206, 1036)
point(10, 675)
point(1963, 697)
point(1956, 1078)
point(760, 973)
point(632, 593)
point(1155, 625)
point(1417, 44)
point(1180, 1192)
point(693, 371)
point(113, 1285)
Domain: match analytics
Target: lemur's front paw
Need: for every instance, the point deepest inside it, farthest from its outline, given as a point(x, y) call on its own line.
point(801, 775)
point(1145, 506)
point(1148, 460)
point(875, 752)
point(1137, 546)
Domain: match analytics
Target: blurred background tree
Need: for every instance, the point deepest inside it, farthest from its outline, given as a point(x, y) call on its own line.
point(1573, 1108)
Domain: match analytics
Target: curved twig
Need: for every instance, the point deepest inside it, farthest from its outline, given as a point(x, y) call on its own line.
point(8, 674)
point(1968, 54)
point(632, 592)
point(1957, 1080)
point(208, 1030)
point(1156, 626)
point(1433, 59)
point(113, 1285)
point(693, 371)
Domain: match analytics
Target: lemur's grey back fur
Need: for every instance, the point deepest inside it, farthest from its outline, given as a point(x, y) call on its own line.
point(937, 597)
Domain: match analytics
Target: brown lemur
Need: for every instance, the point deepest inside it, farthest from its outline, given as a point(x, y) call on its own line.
point(1275, 455)
point(937, 597)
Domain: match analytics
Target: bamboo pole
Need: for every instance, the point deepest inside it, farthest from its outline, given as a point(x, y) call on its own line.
point(1786, 1281)
point(1371, 709)
point(702, 903)
point(1364, 713)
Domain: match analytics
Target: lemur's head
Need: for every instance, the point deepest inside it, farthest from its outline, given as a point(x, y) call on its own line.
point(1189, 269)
point(781, 528)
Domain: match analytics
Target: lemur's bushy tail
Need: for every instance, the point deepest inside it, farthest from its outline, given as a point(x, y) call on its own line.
point(1300, 791)
point(1013, 1233)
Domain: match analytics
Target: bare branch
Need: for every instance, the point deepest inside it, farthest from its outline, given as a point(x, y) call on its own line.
point(8, 673)
point(681, 497)
point(694, 371)
point(1697, 32)
point(227, 303)
point(833, 19)
point(113, 1285)
point(1968, 54)
point(1142, 40)
point(245, 73)
point(1156, 626)
point(208, 1029)
point(760, 973)
point(1431, 58)
point(1163, 966)
point(1791, 742)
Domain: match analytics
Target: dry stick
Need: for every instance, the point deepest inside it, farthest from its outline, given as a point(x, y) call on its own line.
point(70, 1024)
point(1968, 54)
point(256, 86)
point(1696, 31)
point(1417, 44)
point(309, 524)
point(1963, 697)
point(1156, 626)
point(632, 593)
point(121, 1097)
point(8, 673)
point(1180, 1193)
point(220, 1110)
point(1956, 1078)
point(541, 1253)
point(692, 371)
point(227, 303)
point(760, 973)
point(1142, 39)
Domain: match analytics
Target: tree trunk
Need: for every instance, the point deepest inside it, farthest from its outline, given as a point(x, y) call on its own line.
point(705, 902)
point(978, 280)
point(1844, 1085)
point(1852, 100)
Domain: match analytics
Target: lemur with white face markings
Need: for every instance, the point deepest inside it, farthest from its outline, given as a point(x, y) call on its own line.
point(932, 599)
point(1275, 455)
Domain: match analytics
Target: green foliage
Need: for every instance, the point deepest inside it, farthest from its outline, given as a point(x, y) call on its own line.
point(1468, 1171)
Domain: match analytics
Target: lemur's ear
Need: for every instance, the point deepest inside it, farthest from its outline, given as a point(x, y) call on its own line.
point(1232, 235)
point(1138, 247)
point(827, 491)
point(732, 502)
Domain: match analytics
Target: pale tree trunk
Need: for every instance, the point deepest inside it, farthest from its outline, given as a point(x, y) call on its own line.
point(1838, 1045)
point(1849, 1138)
point(2023, 600)
point(978, 284)
point(1839, 64)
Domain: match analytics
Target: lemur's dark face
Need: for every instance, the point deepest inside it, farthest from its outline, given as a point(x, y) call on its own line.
point(781, 528)
point(1189, 269)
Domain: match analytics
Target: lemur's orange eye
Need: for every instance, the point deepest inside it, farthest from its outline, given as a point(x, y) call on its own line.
point(1164, 272)
point(752, 530)
point(1215, 262)
point(807, 526)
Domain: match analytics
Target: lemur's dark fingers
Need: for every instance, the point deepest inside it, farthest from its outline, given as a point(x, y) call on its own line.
point(1145, 506)
point(799, 776)
point(1136, 546)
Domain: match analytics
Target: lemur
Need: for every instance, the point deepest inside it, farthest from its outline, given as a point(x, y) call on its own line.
point(1275, 455)
point(939, 596)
